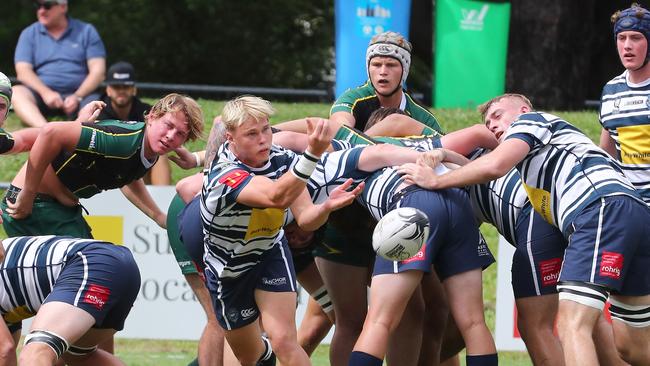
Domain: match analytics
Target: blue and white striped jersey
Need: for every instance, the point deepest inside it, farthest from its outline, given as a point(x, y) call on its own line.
point(30, 268)
point(564, 170)
point(237, 235)
point(500, 201)
point(380, 188)
point(625, 114)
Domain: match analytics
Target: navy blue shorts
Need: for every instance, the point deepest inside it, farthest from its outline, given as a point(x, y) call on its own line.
point(454, 245)
point(538, 255)
point(101, 279)
point(234, 298)
point(190, 226)
point(609, 245)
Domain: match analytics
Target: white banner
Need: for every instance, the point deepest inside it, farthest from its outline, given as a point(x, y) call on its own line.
point(507, 336)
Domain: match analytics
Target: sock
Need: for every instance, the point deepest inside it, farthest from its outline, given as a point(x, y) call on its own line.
point(482, 360)
point(358, 358)
point(268, 357)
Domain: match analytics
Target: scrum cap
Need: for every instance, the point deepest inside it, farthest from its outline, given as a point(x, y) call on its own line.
point(390, 44)
point(634, 18)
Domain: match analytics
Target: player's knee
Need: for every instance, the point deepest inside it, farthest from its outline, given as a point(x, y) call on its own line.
point(631, 334)
point(7, 350)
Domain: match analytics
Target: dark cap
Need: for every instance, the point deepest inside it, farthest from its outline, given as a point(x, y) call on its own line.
point(121, 73)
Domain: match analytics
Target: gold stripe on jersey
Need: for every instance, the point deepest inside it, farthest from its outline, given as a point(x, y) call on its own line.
point(541, 201)
point(635, 144)
point(265, 222)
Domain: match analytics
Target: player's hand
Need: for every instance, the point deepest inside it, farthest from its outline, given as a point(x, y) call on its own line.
point(420, 174)
point(318, 132)
point(183, 158)
point(432, 158)
point(22, 208)
point(70, 104)
point(90, 111)
point(52, 99)
point(341, 196)
point(2, 248)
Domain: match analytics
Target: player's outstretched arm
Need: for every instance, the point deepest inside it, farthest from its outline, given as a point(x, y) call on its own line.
point(23, 140)
point(52, 139)
point(466, 140)
point(484, 169)
point(136, 192)
point(310, 217)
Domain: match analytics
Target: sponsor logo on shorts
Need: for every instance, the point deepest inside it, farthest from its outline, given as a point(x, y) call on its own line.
point(274, 281)
point(247, 313)
point(232, 315)
point(550, 271)
point(483, 250)
point(611, 265)
point(97, 296)
point(419, 256)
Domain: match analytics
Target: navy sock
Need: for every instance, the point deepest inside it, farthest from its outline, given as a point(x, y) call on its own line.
point(482, 360)
point(358, 358)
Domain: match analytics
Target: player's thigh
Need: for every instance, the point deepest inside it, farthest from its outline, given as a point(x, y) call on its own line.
point(389, 295)
point(65, 320)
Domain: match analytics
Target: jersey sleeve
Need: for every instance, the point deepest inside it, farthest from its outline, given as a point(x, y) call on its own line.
point(6, 141)
point(25, 47)
point(225, 183)
point(111, 138)
point(345, 102)
point(532, 129)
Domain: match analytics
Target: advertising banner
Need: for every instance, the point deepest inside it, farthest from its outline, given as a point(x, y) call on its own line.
point(357, 21)
point(470, 46)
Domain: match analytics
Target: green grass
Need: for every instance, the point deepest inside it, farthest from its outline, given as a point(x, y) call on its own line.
point(154, 352)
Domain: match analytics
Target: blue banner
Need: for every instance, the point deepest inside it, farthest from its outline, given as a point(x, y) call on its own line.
point(357, 21)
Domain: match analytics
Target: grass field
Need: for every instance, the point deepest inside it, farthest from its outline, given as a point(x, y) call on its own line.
point(149, 352)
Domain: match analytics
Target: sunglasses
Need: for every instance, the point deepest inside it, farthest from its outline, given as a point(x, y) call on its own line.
point(45, 4)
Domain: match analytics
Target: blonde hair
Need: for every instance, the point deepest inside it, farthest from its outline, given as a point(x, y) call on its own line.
point(243, 108)
point(483, 108)
point(172, 103)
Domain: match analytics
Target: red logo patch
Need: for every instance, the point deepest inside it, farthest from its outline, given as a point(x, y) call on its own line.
point(550, 271)
point(234, 178)
point(97, 296)
point(419, 256)
point(611, 265)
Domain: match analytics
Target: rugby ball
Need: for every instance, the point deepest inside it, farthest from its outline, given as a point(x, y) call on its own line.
point(399, 235)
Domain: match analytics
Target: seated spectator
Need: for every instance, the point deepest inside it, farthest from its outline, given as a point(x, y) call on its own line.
point(123, 104)
point(59, 61)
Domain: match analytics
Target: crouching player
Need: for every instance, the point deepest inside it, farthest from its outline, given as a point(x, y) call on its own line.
point(80, 291)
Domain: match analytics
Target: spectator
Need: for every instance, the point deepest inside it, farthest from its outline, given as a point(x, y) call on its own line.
point(60, 61)
point(123, 104)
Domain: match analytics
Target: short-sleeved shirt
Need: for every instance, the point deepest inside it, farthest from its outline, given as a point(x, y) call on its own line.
point(362, 101)
point(564, 171)
point(109, 154)
point(625, 115)
point(6, 141)
point(137, 112)
point(61, 64)
point(237, 235)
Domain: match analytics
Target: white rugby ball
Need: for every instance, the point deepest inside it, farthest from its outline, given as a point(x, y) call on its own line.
point(399, 235)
